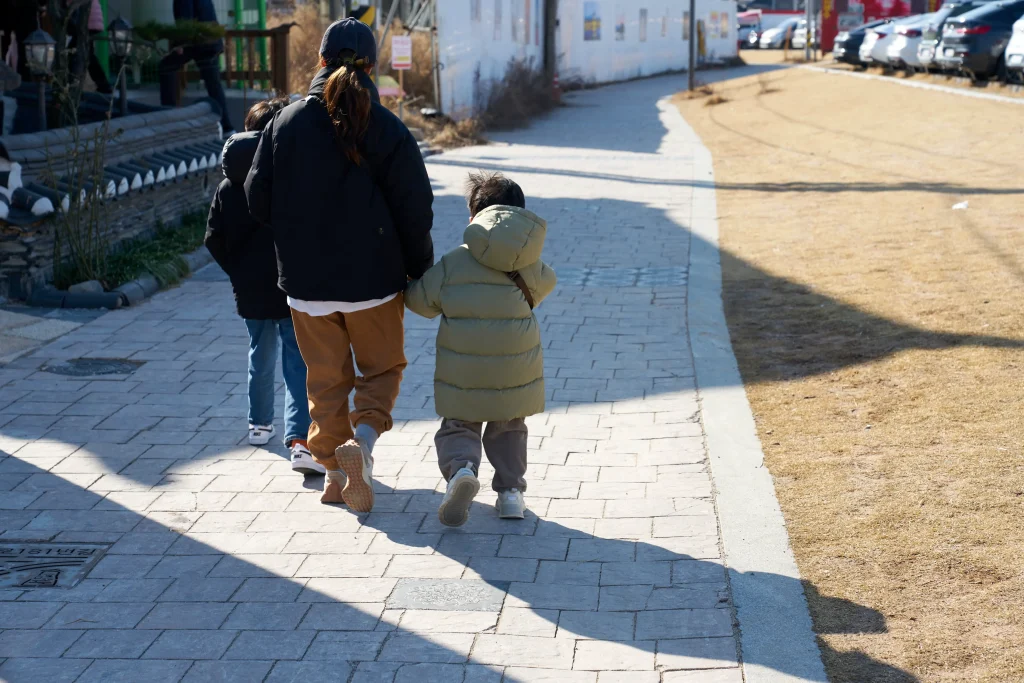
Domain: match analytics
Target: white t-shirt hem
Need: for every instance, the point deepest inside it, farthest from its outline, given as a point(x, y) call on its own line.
point(321, 308)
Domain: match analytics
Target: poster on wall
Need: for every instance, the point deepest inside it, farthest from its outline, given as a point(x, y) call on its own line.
point(686, 26)
point(714, 25)
point(643, 25)
point(620, 23)
point(474, 10)
point(497, 19)
point(591, 20)
point(724, 18)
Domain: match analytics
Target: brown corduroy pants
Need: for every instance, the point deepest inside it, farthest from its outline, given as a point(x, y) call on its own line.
point(376, 337)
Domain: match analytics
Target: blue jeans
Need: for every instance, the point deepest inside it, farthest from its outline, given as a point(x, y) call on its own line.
point(262, 363)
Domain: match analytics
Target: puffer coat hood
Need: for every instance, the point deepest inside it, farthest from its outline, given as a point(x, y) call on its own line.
point(506, 238)
point(239, 151)
point(490, 363)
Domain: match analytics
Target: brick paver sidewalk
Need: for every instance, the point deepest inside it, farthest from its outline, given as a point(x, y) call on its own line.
point(223, 566)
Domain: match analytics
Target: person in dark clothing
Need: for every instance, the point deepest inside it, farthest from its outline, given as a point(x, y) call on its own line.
point(342, 183)
point(86, 57)
point(245, 250)
point(206, 57)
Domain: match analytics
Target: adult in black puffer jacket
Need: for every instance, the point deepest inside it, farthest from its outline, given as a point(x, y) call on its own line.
point(245, 250)
point(342, 183)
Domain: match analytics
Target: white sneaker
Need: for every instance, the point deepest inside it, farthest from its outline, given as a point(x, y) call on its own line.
point(355, 461)
point(302, 461)
point(462, 488)
point(260, 435)
point(511, 505)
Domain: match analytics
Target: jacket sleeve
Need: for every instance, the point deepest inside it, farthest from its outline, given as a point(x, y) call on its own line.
point(541, 280)
point(406, 187)
point(423, 296)
point(260, 181)
point(216, 241)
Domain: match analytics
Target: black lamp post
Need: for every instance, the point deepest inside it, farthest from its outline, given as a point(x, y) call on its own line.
point(40, 51)
point(120, 33)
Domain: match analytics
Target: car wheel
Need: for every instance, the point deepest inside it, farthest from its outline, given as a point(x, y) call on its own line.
point(1001, 72)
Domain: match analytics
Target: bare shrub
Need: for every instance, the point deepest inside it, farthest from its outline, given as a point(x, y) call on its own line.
point(522, 94)
point(303, 43)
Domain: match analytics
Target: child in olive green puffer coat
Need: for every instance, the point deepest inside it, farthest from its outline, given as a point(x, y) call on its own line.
point(490, 364)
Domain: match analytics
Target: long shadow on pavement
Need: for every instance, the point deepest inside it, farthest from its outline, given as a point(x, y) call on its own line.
point(163, 606)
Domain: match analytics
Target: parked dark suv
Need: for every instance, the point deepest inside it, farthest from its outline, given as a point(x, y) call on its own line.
point(931, 35)
point(846, 47)
point(974, 42)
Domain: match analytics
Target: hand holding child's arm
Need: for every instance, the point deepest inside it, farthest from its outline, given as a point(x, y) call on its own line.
point(423, 296)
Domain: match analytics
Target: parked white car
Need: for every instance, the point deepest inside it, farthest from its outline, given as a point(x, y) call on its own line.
point(875, 48)
point(1014, 54)
point(902, 51)
point(775, 38)
point(800, 35)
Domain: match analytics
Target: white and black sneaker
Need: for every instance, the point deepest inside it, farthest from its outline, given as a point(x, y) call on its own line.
point(260, 435)
point(302, 461)
point(462, 488)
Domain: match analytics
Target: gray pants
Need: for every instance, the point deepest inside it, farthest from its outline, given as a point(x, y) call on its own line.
point(459, 442)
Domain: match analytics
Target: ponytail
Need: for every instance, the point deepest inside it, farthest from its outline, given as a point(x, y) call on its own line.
point(348, 104)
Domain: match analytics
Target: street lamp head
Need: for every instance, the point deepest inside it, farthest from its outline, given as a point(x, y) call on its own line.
point(40, 50)
point(120, 32)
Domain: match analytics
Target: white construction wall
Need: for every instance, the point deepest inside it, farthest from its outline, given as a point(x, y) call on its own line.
point(598, 41)
point(477, 40)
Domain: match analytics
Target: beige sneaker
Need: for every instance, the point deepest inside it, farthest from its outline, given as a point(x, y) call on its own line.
point(357, 463)
point(334, 484)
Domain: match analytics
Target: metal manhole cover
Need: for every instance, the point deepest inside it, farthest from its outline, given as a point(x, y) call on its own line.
point(86, 367)
point(47, 565)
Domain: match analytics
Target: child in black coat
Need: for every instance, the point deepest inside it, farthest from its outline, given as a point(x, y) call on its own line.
point(245, 250)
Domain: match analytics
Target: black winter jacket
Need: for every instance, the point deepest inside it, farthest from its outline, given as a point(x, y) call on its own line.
point(343, 232)
point(243, 247)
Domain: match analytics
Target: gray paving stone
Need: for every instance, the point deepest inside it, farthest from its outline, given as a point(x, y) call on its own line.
point(469, 545)
point(95, 616)
point(634, 573)
point(200, 590)
point(17, 670)
point(569, 573)
point(447, 594)
point(501, 569)
point(132, 590)
point(603, 655)
point(347, 590)
point(436, 621)
point(345, 646)
point(309, 672)
point(544, 653)
point(552, 596)
point(34, 643)
point(227, 672)
point(27, 615)
point(275, 645)
point(430, 673)
point(688, 623)
point(266, 616)
point(376, 672)
point(191, 645)
point(518, 621)
point(187, 615)
point(596, 625)
point(342, 617)
point(534, 548)
point(697, 653)
point(134, 670)
point(119, 644)
point(442, 648)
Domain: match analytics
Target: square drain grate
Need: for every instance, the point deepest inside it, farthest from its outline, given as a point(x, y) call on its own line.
point(47, 565)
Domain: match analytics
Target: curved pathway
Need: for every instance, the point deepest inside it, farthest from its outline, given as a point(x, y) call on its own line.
point(221, 565)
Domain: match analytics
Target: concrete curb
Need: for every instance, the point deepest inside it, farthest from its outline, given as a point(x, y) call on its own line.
point(777, 641)
point(141, 288)
point(1005, 99)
